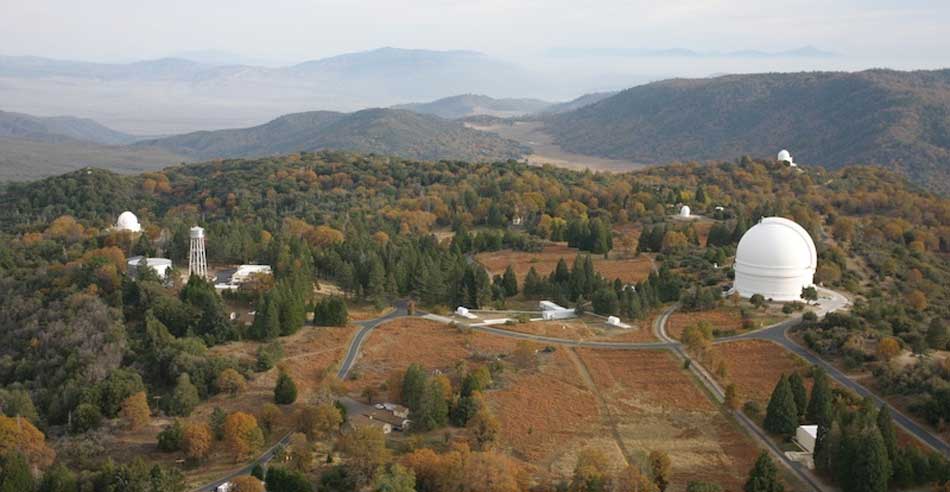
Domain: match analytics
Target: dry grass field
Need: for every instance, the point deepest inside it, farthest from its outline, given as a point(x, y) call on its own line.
point(722, 318)
point(587, 329)
point(754, 366)
point(548, 416)
point(395, 345)
point(657, 406)
point(627, 270)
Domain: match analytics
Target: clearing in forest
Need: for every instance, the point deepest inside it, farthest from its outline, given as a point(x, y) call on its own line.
point(629, 271)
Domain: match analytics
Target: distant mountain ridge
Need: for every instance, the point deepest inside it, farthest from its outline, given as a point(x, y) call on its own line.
point(577, 103)
point(57, 128)
point(899, 120)
point(465, 105)
point(382, 131)
point(803, 51)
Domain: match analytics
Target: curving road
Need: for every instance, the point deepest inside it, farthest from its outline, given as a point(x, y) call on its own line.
point(351, 355)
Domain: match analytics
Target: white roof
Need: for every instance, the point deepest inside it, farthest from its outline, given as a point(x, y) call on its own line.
point(128, 222)
point(249, 269)
point(152, 262)
point(777, 243)
point(784, 155)
point(811, 430)
point(684, 212)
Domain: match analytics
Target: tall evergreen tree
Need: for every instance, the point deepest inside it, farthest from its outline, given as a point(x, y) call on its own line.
point(285, 391)
point(781, 416)
point(799, 392)
point(764, 476)
point(869, 469)
point(820, 403)
point(510, 282)
point(885, 425)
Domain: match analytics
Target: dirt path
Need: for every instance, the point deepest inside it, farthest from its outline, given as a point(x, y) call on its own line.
point(608, 416)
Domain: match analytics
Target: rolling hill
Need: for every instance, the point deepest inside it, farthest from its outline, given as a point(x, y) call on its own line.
point(577, 103)
point(474, 104)
point(56, 128)
point(383, 131)
point(899, 120)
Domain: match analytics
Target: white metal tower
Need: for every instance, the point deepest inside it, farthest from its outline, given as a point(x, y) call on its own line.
point(197, 261)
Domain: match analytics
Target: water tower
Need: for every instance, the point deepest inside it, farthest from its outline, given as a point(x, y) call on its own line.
point(197, 261)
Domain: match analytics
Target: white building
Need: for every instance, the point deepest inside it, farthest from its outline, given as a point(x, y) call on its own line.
point(805, 436)
point(244, 272)
point(464, 312)
point(160, 265)
point(785, 156)
point(684, 211)
point(550, 310)
point(128, 222)
point(775, 258)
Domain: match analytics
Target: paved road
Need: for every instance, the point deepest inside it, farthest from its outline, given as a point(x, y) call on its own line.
point(832, 301)
point(366, 327)
point(351, 354)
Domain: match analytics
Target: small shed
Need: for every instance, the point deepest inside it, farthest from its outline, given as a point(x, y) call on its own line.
point(805, 436)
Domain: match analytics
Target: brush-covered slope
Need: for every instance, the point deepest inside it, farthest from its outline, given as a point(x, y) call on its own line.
point(473, 104)
point(383, 131)
point(900, 120)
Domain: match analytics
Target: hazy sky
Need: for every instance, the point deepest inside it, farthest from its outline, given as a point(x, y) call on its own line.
point(295, 30)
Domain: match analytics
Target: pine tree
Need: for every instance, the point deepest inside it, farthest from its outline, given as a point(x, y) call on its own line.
point(885, 425)
point(285, 391)
point(819, 406)
point(533, 286)
point(799, 392)
point(781, 416)
point(510, 282)
point(827, 445)
point(764, 476)
point(870, 468)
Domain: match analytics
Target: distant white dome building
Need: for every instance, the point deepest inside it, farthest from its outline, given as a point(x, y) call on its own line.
point(684, 211)
point(128, 222)
point(160, 265)
point(785, 156)
point(775, 258)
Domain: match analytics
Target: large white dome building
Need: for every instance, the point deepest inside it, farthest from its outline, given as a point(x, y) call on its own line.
point(775, 258)
point(128, 222)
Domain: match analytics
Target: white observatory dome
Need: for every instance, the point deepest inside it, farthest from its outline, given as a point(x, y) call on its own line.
point(775, 258)
point(783, 155)
point(684, 211)
point(128, 222)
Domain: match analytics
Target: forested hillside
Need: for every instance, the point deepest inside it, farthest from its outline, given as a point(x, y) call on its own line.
point(384, 131)
point(900, 120)
point(86, 349)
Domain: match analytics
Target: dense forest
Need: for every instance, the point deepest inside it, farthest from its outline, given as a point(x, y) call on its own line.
point(80, 339)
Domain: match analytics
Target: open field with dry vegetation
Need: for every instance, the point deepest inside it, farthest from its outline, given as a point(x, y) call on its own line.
point(587, 328)
point(630, 270)
point(393, 346)
point(656, 405)
point(754, 366)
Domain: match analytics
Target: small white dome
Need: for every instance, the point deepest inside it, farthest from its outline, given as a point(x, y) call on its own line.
point(128, 222)
point(684, 211)
point(783, 155)
point(775, 258)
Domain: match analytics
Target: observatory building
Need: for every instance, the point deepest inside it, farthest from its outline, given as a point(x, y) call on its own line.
point(775, 258)
point(785, 156)
point(161, 265)
point(684, 211)
point(128, 222)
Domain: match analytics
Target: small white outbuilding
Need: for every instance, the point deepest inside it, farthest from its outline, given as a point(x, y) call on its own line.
point(785, 156)
point(805, 436)
point(684, 211)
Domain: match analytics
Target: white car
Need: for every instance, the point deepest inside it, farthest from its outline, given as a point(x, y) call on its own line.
point(225, 487)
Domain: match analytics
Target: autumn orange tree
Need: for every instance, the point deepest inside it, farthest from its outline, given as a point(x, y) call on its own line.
point(196, 440)
point(19, 435)
point(134, 411)
point(231, 382)
point(247, 483)
point(319, 421)
point(242, 435)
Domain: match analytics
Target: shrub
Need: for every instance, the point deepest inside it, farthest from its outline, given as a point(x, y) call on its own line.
point(170, 438)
